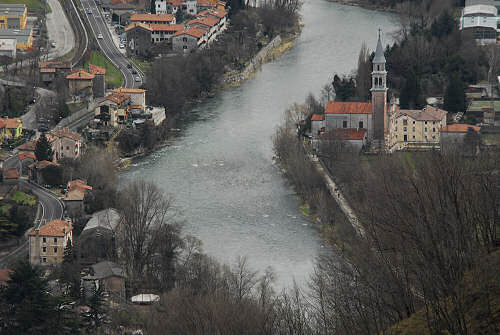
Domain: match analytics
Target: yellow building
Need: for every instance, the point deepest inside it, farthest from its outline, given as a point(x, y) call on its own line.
point(415, 129)
point(13, 16)
point(11, 128)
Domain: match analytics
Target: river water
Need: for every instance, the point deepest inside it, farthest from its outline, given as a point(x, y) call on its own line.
point(220, 170)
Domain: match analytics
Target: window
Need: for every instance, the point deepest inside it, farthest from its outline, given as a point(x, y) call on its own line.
point(404, 128)
point(44, 249)
point(433, 122)
point(413, 136)
point(395, 128)
point(55, 249)
point(413, 122)
point(44, 240)
point(433, 130)
point(360, 124)
point(425, 129)
point(378, 67)
point(344, 124)
point(413, 130)
point(67, 147)
point(184, 39)
point(55, 239)
point(185, 47)
point(433, 137)
point(405, 138)
point(44, 260)
point(425, 122)
point(405, 122)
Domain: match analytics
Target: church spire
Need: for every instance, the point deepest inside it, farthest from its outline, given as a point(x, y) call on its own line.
point(379, 53)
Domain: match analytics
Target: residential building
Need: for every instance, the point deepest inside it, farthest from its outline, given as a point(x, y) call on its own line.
point(172, 6)
point(80, 82)
point(51, 70)
point(47, 243)
point(27, 147)
point(188, 39)
point(416, 129)
point(190, 7)
point(23, 37)
point(74, 198)
point(453, 139)
point(25, 160)
point(65, 143)
point(8, 47)
point(114, 109)
point(13, 16)
point(10, 176)
point(495, 3)
point(99, 82)
point(153, 18)
point(11, 127)
point(108, 276)
point(206, 4)
point(140, 37)
point(137, 95)
point(97, 240)
point(35, 171)
point(482, 21)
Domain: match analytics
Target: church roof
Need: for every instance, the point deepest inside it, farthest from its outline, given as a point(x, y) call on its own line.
point(379, 53)
point(335, 107)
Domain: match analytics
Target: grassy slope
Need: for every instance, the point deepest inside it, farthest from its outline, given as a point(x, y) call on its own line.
point(113, 75)
point(477, 309)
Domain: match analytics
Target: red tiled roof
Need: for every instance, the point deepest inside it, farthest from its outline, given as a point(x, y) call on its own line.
point(65, 132)
point(220, 13)
point(209, 21)
point(55, 65)
point(78, 183)
point(152, 17)
point(95, 69)
point(318, 117)
point(348, 108)
point(5, 276)
point(11, 123)
point(28, 146)
point(428, 113)
point(140, 25)
point(205, 3)
point(10, 174)
point(176, 3)
point(191, 32)
point(47, 70)
point(54, 228)
point(345, 134)
point(80, 75)
point(167, 27)
point(25, 155)
point(42, 164)
point(117, 98)
point(127, 91)
point(459, 128)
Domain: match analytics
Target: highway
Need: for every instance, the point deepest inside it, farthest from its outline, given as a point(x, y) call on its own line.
point(98, 26)
point(51, 208)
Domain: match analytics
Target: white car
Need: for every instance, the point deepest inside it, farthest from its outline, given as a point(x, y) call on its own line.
point(138, 79)
point(99, 36)
point(53, 44)
point(122, 46)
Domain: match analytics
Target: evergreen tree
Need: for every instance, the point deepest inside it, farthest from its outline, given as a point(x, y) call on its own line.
point(454, 96)
point(179, 16)
point(97, 309)
point(43, 149)
point(70, 273)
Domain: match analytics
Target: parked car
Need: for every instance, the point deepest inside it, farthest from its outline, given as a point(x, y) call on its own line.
point(99, 36)
point(53, 44)
point(89, 11)
point(122, 46)
point(129, 66)
point(137, 78)
point(134, 71)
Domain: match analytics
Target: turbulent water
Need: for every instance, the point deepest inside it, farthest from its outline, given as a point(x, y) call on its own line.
point(220, 170)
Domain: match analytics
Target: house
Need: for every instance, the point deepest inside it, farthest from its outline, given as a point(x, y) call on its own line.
point(188, 39)
point(153, 18)
point(97, 240)
point(114, 109)
point(219, 14)
point(27, 147)
point(25, 160)
point(460, 138)
point(172, 6)
point(10, 176)
point(75, 196)
point(47, 243)
point(345, 139)
point(65, 143)
point(486, 111)
point(35, 171)
point(8, 47)
point(108, 276)
point(482, 21)
point(140, 37)
point(49, 71)
point(80, 82)
point(5, 276)
point(13, 16)
point(137, 95)
point(317, 127)
point(416, 129)
point(99, 83)
point(11, 127)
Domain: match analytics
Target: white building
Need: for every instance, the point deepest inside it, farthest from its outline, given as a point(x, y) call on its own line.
point(482, 21)
point(8, 47)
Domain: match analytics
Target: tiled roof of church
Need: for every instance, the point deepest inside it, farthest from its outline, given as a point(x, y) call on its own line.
point(348, 108)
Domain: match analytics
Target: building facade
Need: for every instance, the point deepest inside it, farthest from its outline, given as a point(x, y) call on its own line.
point(46, 244)
point(65, 143)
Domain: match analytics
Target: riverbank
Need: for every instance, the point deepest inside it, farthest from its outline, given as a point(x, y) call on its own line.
point(366, 4)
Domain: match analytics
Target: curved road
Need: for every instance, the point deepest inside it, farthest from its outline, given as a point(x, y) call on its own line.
point(98, 26)
point(51, 208)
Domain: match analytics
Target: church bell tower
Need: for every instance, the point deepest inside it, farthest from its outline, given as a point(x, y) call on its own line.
point(379, 94)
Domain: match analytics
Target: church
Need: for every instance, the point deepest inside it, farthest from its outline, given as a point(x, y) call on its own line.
point(378, 126)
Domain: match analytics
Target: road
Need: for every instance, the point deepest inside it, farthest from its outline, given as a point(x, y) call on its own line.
point(106, 44)
point(59, 30)
point(51, 208)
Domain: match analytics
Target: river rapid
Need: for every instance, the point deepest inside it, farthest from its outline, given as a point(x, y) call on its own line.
point(220, 170)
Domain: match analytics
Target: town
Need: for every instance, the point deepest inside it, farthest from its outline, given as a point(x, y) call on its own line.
point(122, 121)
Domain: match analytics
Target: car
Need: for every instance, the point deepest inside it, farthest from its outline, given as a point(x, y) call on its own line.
point(89, 11)
point(137, 78)
point(129, 66)
point(53, 44)
point(122, 46)
point(99, 36)
point(134, 71)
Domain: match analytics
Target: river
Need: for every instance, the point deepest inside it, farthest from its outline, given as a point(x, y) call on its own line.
point(220, 170)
